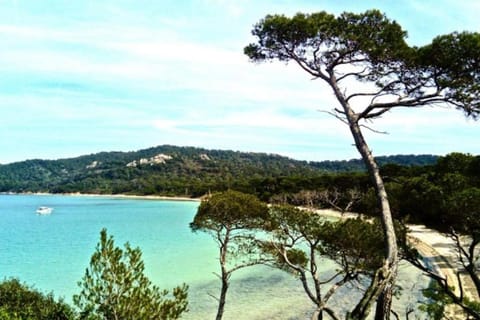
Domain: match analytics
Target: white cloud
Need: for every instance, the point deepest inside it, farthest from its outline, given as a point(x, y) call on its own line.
point(182, 77)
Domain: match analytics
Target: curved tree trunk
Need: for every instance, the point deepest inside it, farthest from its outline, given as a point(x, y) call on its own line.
point(385, 279)
point(223, 296)
point(391, 251)
point(225, 275)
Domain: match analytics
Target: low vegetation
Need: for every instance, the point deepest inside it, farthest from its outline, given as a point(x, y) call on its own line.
point(19, 301)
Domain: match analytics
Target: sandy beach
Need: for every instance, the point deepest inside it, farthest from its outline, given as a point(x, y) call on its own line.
point(438, 249)
point(120, 196)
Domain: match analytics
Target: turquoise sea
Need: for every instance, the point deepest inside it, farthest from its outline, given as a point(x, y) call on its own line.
point(51, 252)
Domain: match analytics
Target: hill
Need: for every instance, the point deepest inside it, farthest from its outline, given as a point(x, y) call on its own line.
point(170, 170)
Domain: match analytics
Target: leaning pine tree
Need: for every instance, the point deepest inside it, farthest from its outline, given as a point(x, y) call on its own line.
point(371, 49)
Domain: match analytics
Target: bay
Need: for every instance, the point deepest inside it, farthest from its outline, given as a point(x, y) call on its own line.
point(52, 251)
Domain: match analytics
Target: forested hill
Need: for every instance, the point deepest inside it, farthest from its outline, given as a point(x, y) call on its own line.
point(170, 170)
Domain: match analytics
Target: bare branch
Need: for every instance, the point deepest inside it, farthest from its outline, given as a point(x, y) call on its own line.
point(346, 75)
point(331, 313)
point(334, 288)
point(396, 314)
point(330, 279)
point(335, 115)
point(461, 251)
point(375, 95)
point(360, 94)
point(315, 73)
point(373, 130)
point(375, 114)
point(244, 265)
point(460, 285)
point(211, 295)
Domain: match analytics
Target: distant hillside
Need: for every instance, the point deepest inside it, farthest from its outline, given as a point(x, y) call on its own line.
point(169, 170)
point(357, 164)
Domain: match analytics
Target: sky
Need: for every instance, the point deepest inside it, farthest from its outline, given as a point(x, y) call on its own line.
point(80, 77)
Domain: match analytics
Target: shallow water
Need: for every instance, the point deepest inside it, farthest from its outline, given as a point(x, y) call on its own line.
point(51, 252)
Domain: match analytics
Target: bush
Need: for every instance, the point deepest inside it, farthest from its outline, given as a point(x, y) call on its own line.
point(20, 302)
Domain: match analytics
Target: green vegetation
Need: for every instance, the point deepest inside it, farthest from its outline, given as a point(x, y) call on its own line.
point(368, 48)
point(232, 218)
point(443, 196)
point(189, 172)
point(20, 302)
point(446, 197)
point(302, 240)
point(115, 287)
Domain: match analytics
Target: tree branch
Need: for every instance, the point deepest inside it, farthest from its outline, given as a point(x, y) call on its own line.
point(335, 115)
point(349, 74)
point(373, 130)
point(315, 73)
point(331, 313)
point(334, 288)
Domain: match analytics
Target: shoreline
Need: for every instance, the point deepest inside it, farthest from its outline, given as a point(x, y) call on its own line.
point(433, 246)
point(117, 196)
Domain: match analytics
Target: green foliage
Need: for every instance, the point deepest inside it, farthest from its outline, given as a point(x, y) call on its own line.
point(368, 36)
point(232, 218)
point(21, 302)
point(436, 301)
point(356, 243)
point(190, 172)
point(463, 212)
point(115, 287)
point(290, 228)
point(455, 59)
point(229, 210)
point(369, 33)
point(300, 223)
point(441, 196)
point(446, 70)
point(454, 162)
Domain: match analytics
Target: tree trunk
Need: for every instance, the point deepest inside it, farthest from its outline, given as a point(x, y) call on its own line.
point(223, 295)
point(472, 271)
point(317, 315)
point(224, 276)
point(384, 303)
point(362, 309)
point(471, 267)
point(391, 251)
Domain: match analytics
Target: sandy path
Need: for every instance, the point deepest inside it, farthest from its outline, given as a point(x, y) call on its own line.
point(440, 252)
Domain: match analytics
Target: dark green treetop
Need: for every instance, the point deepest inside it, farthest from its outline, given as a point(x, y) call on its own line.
point(19, 301)
point(369, 47)
point(115, 287)
point(231, 218)
point(230, 210)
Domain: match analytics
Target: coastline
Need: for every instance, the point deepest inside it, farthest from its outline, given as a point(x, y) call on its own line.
point(437, 248)
point(119, 196)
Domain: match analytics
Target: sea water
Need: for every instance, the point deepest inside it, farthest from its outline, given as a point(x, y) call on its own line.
point(52, 251)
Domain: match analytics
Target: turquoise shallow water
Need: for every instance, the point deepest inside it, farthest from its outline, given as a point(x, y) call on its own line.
point(51, 252)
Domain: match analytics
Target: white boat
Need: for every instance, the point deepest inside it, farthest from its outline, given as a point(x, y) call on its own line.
point(44, 210)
